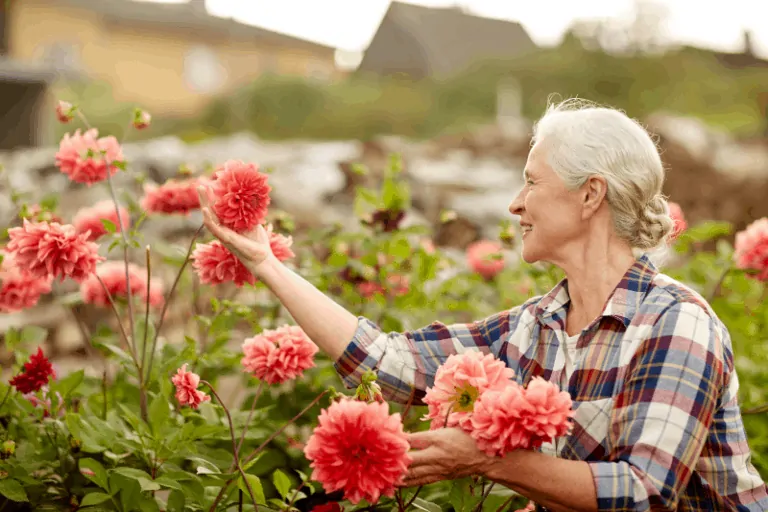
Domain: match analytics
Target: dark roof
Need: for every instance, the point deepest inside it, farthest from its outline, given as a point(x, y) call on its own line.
point(191, 17)
point(442, 41)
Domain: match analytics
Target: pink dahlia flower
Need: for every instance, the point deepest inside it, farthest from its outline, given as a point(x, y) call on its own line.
point(516, 418)
point(186, 388)
point(85, 158)
point(279, 355)
point(19, 289)
point(751, 248)
point(486, 258)
point(459, 382)
point(214, 264)
point(173, 196)
point(52, 250)
point(112, 274)
point(678, 218)
point(89, 219)
point(280, 244)
point(241, 196)
point(360, 448)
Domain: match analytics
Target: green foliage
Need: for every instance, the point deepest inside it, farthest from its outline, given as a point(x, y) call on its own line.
point(122, 443)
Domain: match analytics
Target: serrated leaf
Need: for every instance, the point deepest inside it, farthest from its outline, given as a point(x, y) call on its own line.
point(13, 490)
point(282, 483)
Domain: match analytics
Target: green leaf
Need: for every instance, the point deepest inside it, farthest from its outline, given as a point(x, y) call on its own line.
point(282, 483)
point(176, 501)
point(94, 498)
point(120, 353)
point(69, 383)
point(33, 334)
point(13, 490)
point(421, 504)
point(255, 484)
point(109, 225)
point(143, 478)
point(165, 481)
point(99, 476)
point(159, 414)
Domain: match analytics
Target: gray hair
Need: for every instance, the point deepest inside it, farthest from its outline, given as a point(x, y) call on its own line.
point(582, 139)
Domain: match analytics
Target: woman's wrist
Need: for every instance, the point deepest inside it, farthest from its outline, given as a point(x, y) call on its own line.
point(267, 270)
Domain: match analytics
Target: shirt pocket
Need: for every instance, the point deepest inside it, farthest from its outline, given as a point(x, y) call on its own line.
point(589, 438)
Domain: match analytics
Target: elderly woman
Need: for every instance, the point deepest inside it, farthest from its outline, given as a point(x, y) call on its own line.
point(648, 364)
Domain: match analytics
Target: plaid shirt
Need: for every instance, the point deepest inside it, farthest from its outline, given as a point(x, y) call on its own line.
point(654, 388)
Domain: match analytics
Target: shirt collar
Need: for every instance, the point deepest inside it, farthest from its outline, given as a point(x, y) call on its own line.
point(622, 304)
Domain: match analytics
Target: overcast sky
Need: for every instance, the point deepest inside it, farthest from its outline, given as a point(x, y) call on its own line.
point(350, 24)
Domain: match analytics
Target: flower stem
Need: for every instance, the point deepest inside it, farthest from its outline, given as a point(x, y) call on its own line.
point(142, 382)
point(280, 430)
point(445, 424)
point(168, 300)
point(718, 287)
point(756, 410)
point(487, 493)
point(124, 235)
point(250, 415)
point(505, 504)
point(296, 494)
point(7, 394)
point(119, 320)
point(234, 443)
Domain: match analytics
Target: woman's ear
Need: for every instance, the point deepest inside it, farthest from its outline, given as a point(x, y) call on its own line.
point(593, 194)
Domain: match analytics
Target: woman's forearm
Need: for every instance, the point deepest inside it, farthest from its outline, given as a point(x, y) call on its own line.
point(328, 324)
point(558, 484)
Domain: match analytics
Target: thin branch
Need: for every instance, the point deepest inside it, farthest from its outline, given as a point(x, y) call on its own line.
point(124, 235)
point(168, 301)
point(234, 443)
point(280, 430)
point(250, 415)
point(119, 320)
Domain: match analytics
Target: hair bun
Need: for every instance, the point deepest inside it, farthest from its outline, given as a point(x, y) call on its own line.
point(653, 224)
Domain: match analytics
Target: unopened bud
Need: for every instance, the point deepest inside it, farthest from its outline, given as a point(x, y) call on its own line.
point(141, 119)
point(65, 111)
point(8, 449)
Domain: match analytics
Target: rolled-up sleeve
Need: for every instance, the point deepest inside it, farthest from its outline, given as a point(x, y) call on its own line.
point(663, 412)
point(406, 362)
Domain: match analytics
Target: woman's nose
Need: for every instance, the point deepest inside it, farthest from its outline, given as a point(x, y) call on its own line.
point(517, 205)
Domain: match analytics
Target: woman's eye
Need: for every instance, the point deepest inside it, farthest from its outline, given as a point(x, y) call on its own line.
point(529, 182)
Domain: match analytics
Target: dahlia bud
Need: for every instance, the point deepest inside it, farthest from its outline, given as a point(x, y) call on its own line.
point(8, 449)
point(65, 111)
point(141, 119)
point(369, 390)
point(334, 395)
point(507, 237)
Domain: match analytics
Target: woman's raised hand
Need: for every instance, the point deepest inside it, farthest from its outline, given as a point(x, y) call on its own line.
point(251, 248)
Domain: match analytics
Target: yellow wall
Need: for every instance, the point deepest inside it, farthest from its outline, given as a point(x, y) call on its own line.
point(147, 66)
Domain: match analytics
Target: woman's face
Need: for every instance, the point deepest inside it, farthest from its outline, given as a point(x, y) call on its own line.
point(550, 214)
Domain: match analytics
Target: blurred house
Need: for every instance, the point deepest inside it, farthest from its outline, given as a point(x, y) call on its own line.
point(422, 42)
point(168, 58)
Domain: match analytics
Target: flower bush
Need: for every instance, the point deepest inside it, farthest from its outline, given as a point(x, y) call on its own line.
point(152, 428)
